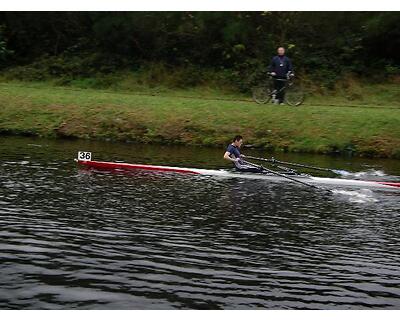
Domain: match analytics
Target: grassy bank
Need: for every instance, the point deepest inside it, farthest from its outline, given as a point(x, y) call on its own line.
point(366, 123)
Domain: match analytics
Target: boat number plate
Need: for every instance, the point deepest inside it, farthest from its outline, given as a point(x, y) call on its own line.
point(84, 156)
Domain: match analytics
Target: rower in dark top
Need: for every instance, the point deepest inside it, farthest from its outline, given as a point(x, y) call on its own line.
point(233, 154)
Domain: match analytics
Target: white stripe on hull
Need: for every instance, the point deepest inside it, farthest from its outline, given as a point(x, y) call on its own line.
point(231, 174)
point(304, 178)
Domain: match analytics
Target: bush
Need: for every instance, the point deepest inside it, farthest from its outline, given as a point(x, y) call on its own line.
point(99, 71)
point(5, 53)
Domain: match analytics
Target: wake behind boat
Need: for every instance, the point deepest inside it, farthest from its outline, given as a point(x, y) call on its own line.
point(84, 159)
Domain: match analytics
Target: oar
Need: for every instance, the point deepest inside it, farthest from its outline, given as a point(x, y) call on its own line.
point(284, 176)
point(272, 160)
point(287, 170)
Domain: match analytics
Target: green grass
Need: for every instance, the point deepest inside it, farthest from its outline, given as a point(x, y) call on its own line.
point(367, 126)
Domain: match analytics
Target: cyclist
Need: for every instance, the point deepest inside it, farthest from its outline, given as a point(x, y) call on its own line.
point(280, 68)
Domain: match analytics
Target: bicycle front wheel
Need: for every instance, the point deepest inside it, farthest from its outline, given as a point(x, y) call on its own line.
point(294, 96)
point(261, 94)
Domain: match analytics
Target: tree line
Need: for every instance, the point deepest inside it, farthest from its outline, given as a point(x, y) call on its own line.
point(325, 45)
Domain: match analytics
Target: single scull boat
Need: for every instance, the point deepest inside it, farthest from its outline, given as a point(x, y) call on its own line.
point(228, 174)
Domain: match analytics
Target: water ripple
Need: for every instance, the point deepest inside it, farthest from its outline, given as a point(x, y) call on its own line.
point(98, 240)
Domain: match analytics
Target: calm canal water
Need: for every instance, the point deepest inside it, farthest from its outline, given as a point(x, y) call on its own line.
point(76, 239)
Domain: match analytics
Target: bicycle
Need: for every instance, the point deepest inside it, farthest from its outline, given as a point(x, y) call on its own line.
point(294, 95)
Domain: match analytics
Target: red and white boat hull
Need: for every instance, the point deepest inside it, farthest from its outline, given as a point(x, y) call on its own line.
point(227, 174)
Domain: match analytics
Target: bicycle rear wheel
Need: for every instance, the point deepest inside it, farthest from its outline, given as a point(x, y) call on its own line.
point(294, 96)
point(261, 94)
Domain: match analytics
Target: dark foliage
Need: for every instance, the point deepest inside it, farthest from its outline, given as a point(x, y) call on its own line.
point(325, 45)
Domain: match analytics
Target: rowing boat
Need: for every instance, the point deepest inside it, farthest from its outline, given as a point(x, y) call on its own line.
point(100, 165)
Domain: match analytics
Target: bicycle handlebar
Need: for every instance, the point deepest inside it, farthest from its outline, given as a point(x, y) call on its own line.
point(289, 75)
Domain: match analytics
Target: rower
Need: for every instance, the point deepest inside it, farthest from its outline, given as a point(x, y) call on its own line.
point(233, 154)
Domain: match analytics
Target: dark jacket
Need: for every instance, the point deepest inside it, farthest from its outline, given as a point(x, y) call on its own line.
point(281, 65)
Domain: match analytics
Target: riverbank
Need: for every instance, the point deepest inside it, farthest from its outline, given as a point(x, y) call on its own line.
point(365, 125)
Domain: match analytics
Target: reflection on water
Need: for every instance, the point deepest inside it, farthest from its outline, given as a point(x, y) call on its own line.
point(72, 238)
